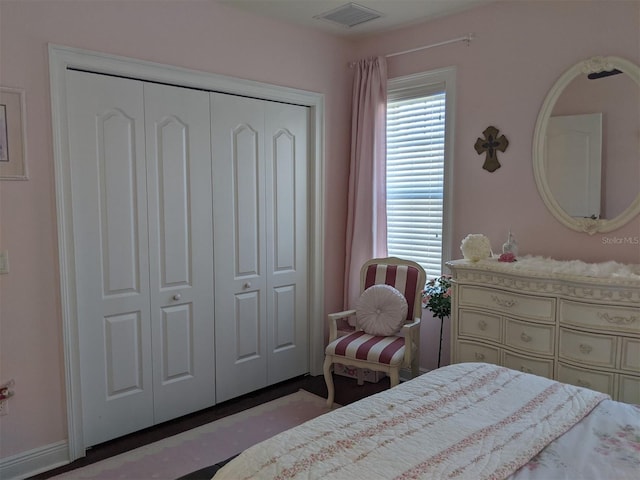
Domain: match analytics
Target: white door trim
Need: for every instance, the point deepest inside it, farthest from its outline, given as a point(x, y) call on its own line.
point(61, 58)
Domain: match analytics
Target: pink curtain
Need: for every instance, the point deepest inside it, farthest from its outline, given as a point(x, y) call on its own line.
point(366, 220)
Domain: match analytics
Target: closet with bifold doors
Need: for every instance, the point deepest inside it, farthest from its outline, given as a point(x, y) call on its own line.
point(189, 244)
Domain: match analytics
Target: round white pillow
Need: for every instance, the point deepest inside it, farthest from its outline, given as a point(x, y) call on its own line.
point(381, 310)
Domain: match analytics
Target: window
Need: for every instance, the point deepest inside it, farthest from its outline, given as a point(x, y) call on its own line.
point(419, 167)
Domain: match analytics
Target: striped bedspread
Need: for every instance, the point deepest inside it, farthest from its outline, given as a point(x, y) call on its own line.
point(465, 421)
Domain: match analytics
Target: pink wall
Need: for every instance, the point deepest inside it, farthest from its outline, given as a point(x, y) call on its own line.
point(520, 50)
point(200, 35)
point(503, 77)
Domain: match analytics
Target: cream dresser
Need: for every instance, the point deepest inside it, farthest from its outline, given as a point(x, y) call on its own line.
point(548, 318)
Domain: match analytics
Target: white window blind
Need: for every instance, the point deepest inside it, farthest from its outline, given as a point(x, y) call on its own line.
point(415, 176)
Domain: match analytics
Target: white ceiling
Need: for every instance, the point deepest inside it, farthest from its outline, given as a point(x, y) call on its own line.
point(395, 13)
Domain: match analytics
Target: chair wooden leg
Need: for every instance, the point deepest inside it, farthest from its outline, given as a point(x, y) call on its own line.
point(394, 377)
point(328, 378)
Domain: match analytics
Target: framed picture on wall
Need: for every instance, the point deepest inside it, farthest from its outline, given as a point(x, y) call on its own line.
point(13, 160)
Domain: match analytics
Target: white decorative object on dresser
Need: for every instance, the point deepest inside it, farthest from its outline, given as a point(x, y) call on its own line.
point(567, 320)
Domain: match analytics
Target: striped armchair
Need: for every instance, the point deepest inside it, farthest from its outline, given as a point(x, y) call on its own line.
point(380, 353)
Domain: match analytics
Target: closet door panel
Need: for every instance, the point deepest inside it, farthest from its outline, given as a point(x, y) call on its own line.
point(239, 248)
point(177, 123)
point(171, 136)
point(177, 351)
point(109, 211)
point(286, 226)
point(284, 209)
point(122, 335)
point(116, 166)
point(247, 327)
point(245, 192)
point(284, 313)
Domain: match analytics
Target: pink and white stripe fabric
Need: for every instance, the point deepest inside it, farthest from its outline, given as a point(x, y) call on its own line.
point(386, 350)
point(362, 346)
point(403, 278)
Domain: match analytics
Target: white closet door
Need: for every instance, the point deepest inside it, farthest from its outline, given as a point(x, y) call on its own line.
point(240, 244)
point(286, 224)
point(143, 236)
point(260, 222)
point(108, 176)
point(178, 142)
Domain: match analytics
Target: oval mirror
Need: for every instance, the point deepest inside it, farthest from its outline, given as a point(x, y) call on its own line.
point(586, 145)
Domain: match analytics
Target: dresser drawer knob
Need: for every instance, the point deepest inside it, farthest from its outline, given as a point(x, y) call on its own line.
point(583, 383)
point(585, 349)
point(482, 325)
point(479, 356)
point(525, 338)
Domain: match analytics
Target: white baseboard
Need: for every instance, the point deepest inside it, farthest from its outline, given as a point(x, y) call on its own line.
point(34, 461)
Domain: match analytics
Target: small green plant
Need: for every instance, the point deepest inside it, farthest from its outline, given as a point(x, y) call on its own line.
point(436, 296)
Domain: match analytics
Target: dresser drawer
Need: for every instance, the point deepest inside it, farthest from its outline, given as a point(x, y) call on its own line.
point(475, 352)
point(528, 336)
point(529, 306)
point(541, 367)
point(630, 355)
point(604, 317)
point(629, 389)
point(600, 381)
point(479, 324)
point(593, 349)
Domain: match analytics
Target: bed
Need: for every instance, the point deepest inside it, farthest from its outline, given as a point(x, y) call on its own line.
point(463, 421)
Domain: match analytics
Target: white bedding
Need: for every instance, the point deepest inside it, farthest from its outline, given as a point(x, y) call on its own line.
point(604, 445)
point(465, 421)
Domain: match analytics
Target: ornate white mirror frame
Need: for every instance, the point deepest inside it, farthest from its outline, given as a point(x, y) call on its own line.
point(588, 225)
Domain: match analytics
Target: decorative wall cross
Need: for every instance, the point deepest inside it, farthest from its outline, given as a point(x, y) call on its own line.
point(490, 145)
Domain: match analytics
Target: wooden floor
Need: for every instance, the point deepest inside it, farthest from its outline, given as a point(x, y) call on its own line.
point(347, 391)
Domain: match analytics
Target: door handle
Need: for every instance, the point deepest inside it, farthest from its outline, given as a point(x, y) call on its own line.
point(177, 297)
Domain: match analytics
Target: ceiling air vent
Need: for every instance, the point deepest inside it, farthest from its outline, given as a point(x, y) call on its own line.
point(350, 15)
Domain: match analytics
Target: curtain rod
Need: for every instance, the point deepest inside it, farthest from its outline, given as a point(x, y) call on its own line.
point(467, 39)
